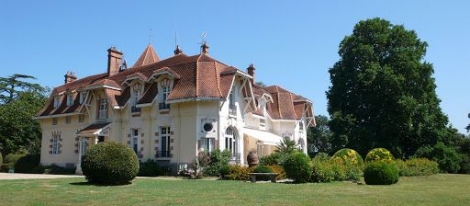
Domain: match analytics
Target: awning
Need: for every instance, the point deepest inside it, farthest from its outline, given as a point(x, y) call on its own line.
point(263, 136)
point(95, 129)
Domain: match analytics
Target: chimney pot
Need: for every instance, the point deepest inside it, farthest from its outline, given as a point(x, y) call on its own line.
point(69, 77)
point(251, 71)
point(205, 48)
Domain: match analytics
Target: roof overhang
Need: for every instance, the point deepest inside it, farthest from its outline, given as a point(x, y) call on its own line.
point(95, 129)
point(263, 137)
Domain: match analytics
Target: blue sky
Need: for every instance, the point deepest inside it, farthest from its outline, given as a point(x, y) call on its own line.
point(291, 43)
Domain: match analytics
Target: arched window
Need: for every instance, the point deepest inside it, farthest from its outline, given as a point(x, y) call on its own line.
point(231, 141)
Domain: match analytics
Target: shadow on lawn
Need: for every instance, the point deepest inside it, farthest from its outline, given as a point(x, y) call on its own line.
point(97, 184)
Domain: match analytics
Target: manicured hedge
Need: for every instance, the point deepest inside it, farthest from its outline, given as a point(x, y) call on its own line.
point(381, 173)
point(381, 154)
point(298, 167)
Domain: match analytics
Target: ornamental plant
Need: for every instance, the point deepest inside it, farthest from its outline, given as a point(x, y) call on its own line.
point(110, 163)
point(381, 173)
point(381, 154)
point(349, 156)
point(298, 167)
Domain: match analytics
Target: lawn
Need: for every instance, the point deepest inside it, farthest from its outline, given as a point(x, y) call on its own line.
point(439, 189)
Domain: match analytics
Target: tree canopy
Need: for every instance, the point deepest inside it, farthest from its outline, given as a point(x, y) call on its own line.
point(382, 92)
point(319, 137)
point(19, 101)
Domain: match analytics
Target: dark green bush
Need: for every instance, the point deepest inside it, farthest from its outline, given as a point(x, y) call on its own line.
point(27, 163)
point(381, 173)
point(298, 167)
point(224, 170)
point(110, 163)
point(150, 168)
point(1, 159)
point(447, 157)
point(52, 169)
point(272, 159)
point(218, 159)
point(381, 154)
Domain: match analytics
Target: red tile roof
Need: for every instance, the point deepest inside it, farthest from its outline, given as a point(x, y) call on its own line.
point(195, 77)
point(149, 56)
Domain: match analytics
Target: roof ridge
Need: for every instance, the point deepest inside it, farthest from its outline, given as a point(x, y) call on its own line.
point(148, 56)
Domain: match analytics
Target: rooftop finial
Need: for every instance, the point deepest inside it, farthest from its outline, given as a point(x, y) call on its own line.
point(204, 46)
point(178, 50)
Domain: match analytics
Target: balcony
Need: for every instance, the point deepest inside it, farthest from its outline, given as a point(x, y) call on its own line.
point(163, 106)
point(163, 154)
point(135, 109)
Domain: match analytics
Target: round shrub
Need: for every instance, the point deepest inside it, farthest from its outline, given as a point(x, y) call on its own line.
point(262, 169)
point(298, 167)
point(381, 173)
point(110, 163)
point(381, 154)
point(27, 163)
point(350, 156)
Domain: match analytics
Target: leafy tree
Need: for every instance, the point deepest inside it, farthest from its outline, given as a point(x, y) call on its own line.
point(382, 92)
point(12, 86)
point(18, 131)
point(318, 138)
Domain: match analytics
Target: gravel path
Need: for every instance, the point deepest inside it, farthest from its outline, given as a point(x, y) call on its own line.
point(18, 176)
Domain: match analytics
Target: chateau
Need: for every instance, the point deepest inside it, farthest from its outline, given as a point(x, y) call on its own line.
point(170, 109)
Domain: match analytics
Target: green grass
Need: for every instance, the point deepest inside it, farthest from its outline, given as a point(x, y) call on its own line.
point(439, 189)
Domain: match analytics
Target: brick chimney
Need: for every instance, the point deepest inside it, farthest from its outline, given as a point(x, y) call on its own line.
point(69, 77)
point(251, 71)
point(204, 48)
point(114, 61)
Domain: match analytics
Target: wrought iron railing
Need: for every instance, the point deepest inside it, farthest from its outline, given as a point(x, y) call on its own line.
point(163, 106)
point(163, 154)
point(135, 109)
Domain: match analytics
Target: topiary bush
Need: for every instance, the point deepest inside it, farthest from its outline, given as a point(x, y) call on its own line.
point(27, 163)
point(381, 173)
point(350, 156)
point(381, 154)
point(298, 167)
point(110, 163)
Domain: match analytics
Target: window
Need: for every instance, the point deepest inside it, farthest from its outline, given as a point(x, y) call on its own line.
point(206, 144)
point(83, 97)
point(55, 144)
point(262, 122)
point(164, 142)
point(230, 143)
point(83, 145)
point(135, 140)
point(68, 119)
point(301, 126)
point(231, 107)
point(56, 102)
point(54, 121)
point(102, 112)
point(165, 85)
point(69, 100)
point(135, 97)
point(81, 118)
